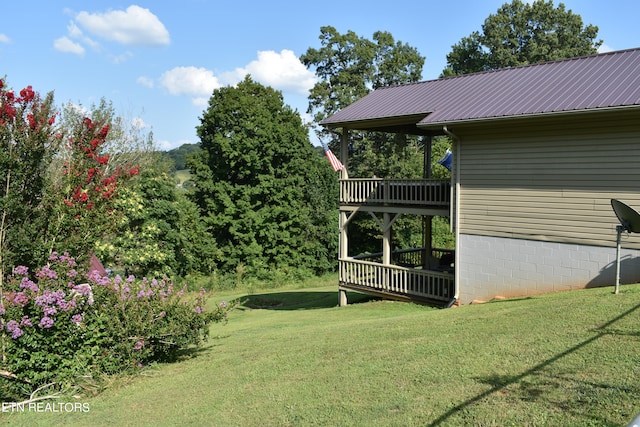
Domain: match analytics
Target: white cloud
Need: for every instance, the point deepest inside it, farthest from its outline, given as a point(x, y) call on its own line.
point(74, 40)
point(4, 38)
point(605, 48)
point(66, 45)
point(198, 83)
point(282, 71)
point(133, 26)
point(145, 81)
point(117, 59)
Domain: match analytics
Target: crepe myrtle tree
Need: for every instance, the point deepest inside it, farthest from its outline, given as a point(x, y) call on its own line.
point(28, 141)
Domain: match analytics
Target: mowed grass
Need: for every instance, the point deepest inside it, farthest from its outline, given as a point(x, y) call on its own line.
point(290, 357)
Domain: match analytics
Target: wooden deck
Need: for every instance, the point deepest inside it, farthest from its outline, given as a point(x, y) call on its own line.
point(397, 192)
point(406, 279)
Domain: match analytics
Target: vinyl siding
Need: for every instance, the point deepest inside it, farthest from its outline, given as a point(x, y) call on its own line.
point(550, 179)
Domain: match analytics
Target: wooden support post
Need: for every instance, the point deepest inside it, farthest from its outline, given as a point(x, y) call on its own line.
point(343, 243)
point(427, 240)
point(342, 298)
point(427, 221)
point(386, 239)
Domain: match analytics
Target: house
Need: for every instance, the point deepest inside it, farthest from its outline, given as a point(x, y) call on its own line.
point(539, 151)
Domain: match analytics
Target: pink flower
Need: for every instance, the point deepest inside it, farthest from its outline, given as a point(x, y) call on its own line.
point(21, 270)
point(46, 322)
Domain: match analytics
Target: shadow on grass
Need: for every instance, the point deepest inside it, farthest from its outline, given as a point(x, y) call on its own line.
point(299, 300)
point(499, 383)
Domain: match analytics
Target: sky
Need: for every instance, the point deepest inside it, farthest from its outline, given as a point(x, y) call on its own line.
point(158, 62)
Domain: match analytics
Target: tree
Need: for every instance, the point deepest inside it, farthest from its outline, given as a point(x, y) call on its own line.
point(522, 33)
point(160, 231)
point(348, 67)
point(27, 145)
point(267, 198)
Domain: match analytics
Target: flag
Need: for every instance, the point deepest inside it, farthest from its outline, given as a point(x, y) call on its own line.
point(335, 163)
point(446, 160)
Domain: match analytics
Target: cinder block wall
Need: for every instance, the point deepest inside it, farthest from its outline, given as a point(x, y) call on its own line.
point(494, 266)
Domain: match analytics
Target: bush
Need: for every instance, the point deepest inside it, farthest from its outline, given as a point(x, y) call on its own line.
point(67, 324)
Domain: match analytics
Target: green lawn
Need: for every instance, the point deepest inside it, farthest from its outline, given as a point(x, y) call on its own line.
point(568, 358)
point(182, 176)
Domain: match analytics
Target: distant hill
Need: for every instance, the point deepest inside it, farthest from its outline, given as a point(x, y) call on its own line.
point(179, 155)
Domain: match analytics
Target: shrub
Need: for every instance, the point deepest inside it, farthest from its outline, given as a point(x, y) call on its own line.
point(64, 323)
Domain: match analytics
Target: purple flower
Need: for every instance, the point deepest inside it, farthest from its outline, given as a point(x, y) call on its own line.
point(139, 345)
point(71, 262)
point(223, 304)
point(21, 270)
point(96, 278)
point(25, 283)
point(26, 321)
point(47, 298)
point(67, 306)
point(49, 311)
point(131, 278)
point(53, 256)
point(197, 309)
point(14, 328)
point(72, 273)
point(2, 310)
point(83, 289)
point(21, 299)
point(46, 322)
point(46, 272)
point(182, 291)
point(12, 325)
point(76, 318)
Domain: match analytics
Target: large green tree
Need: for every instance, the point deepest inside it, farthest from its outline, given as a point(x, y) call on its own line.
point(522, 33)
point(268, 198)
point(348, 67)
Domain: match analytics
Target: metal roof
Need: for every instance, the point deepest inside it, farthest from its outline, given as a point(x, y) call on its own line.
point(603, 81)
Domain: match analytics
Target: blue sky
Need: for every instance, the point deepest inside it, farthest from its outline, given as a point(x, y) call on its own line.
point(158, 62)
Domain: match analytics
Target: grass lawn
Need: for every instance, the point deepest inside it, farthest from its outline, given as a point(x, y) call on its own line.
point(290, 357)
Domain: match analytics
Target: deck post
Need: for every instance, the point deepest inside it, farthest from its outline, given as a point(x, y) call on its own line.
point(427, 240)
point(343, 242)
point(386, 239)
point(342, 298)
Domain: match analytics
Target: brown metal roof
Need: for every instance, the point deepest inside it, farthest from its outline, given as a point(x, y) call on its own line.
point(608, 80)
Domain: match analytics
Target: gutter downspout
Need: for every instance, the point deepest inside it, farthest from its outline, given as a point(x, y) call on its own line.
point(456, 223)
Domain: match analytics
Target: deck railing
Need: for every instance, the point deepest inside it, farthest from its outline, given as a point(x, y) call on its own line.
point(411, 258)
point(398, 280)
point(431, 192)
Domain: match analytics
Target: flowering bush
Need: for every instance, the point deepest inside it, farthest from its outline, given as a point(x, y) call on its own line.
point(83, 198)
point(63, 323)
point(27, 144)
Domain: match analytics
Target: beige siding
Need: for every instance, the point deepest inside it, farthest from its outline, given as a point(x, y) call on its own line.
point(550, 179)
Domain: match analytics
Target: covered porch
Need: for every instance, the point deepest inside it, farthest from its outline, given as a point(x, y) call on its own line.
point(424, 274)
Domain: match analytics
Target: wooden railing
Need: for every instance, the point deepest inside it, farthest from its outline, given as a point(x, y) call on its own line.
point(425, 284)
point(431, 192)
point(411, 258)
